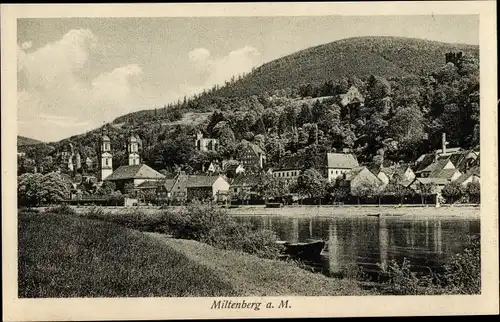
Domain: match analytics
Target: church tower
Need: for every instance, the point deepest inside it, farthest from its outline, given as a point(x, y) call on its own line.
point(106, 157)
point(133, 151)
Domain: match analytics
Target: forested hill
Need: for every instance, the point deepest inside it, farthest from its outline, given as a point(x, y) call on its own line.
point(383, 98)
point(22, 141)
point(351, 57)
point(358, 57)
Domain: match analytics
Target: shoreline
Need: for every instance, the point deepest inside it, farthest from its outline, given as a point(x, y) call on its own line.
point(413, 212)
point(327, 211)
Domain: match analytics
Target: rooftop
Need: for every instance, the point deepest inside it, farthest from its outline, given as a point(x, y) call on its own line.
point(140, 171)
point(341, 161)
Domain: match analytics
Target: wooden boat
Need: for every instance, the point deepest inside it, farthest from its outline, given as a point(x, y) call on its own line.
point(274, 205)
point(304, 251)
point(373, 215)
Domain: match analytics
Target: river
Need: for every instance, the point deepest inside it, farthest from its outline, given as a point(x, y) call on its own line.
point(370, 243)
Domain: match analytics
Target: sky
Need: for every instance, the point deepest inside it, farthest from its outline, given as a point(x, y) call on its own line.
point(75, 74)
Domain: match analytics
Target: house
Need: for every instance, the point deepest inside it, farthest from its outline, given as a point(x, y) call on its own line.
point(472, 175)
point(361, 176)
point(214, 188)
point(442, 169)
point(438, 183)
point(400, 173)
point(233, 169)
point(290, 168)
point(463, 160)
point(338, 164)
point(353, 96)
point(205, 144)
point(330, 165)
point(133, 174)
point(252, 156)
point(149, 186)
point(245, 183)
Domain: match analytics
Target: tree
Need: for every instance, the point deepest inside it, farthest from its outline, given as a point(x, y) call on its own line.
point(311, 183)
point(473, 191)
point(117, 197)
point(426, 189)
point(29, 189)
point(452, 191)
point(338, 190)
point(107, 189)
point(54, 188)
point(365, 189)
point(407, 127)
point(268, 187)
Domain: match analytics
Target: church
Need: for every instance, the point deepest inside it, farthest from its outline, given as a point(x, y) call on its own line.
point(134, 173)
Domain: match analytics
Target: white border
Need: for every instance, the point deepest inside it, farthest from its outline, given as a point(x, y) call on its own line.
point(188, 308)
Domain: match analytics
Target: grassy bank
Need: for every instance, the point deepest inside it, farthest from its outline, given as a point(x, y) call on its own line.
point(67, 256)
point(253, 276)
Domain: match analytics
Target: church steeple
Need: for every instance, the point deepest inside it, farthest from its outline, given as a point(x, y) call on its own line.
point(133, 150)
point(106, 156)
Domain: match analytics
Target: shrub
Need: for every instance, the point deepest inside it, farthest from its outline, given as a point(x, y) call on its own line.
point(461, 275)
point(213, 226)
point(452, 191)
point(63, 209)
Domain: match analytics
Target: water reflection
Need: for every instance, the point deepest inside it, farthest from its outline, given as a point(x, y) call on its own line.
point(372, 242)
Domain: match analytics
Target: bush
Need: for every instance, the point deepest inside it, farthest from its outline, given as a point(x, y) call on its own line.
point(61, 210)
point(213, 226)
point(461, 275)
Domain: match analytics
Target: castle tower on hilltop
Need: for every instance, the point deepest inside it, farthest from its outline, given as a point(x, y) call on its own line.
point(133, 151)
point(106, 157)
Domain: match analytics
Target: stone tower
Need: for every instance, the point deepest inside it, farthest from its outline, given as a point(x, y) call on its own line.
point(106, 157)
point(133, 151)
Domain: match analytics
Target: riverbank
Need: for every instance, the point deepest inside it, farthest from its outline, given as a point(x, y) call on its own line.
point(404, 211)
point(68, 256)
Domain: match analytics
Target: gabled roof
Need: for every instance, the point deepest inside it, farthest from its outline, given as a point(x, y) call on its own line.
point(149, 185)
point(475, 171)
point(201, 181)
point(446, 174)
point(437, 181)
point(341, 160)
point(140, 171)
point(245, 180)
point(169, 184)
point(354, 172)
point(424, 161)
point(436, 167)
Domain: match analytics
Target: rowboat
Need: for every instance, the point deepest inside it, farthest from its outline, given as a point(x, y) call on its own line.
point(304, 251)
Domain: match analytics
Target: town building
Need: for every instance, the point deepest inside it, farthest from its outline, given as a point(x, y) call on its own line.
point(472, 175)
point(330, 165)
point(253, 157)
point(205, 144)
point(131, 175)
point(338, 164)
point(233, 168)
point(360, 176)
point(244, 183)
point(214, 188)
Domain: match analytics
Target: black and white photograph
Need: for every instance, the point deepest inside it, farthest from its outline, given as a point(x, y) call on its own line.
point(240, 157)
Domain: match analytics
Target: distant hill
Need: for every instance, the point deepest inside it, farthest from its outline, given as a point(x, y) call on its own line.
point(359, 57)
point(23, 141)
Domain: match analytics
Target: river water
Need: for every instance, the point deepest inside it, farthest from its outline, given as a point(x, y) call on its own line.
point(370, 243)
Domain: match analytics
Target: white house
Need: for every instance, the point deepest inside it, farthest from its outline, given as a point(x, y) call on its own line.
point(337, 164)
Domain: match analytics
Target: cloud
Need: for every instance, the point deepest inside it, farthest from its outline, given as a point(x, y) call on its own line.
point(50, 84)
point(27, 45)
point(199, 55)
point(218, 70)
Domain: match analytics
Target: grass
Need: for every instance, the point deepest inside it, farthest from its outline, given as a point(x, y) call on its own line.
point(67, 256)
point(253, 276)
point(71, 256)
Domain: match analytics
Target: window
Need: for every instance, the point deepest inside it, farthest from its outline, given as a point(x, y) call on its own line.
point(107, 161)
